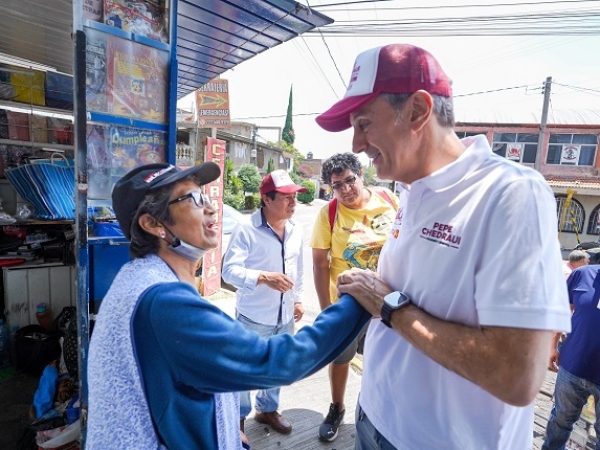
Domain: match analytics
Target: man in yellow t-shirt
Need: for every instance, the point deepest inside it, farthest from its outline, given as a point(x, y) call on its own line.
point(362, 220)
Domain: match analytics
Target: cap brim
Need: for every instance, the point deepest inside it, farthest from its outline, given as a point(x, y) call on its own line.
point(203, 173)
point(337, 118)
point(290, 189)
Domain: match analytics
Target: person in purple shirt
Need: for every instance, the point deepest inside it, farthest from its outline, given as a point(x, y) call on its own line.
point(578, 359)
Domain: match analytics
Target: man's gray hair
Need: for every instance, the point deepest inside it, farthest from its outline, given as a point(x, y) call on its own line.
point(443, 107)
point(578, 256)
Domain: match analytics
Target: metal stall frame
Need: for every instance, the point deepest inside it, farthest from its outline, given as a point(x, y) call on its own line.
point(206, 38)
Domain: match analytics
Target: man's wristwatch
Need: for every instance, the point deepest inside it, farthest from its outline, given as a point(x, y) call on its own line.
point(393, 302)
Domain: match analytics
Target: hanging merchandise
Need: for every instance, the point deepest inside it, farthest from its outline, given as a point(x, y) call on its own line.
point(133, 147)
point(5, 218)
point(48, 186)
point(142, 18)
point(59, 91)
point(28, 85)
point(18, 126)
point(7, 90)
point(136, 87)
point(39, 128)
point(60, 131)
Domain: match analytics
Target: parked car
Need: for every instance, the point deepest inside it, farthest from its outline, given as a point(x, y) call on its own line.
point(231, 217)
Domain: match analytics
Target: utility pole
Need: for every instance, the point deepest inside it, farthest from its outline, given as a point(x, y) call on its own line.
point(542, 137)
point(253, 152)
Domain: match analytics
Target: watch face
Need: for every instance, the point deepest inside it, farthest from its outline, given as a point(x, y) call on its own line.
point(396, 298)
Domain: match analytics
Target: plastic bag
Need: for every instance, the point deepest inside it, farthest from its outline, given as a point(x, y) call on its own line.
point(60, 438)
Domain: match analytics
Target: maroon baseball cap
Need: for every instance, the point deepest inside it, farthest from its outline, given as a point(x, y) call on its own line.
point(394, 69)
point(279, 181)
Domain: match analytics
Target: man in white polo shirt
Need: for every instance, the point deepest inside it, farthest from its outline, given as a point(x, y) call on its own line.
point(466, 326)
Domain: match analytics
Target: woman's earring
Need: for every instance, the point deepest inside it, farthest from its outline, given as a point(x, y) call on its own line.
point(162, 234)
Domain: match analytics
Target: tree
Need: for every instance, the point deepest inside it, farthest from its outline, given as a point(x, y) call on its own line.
point(288, 130)
point(228, 174)
point(309, 195)
point(231, 182)
point(250, 178)
point(270, 165)
point(369, 176)
point(289, 148)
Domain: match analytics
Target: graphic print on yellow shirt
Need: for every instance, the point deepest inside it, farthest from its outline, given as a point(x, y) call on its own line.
point(357, 236)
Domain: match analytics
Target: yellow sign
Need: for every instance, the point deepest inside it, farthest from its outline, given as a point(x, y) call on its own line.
point(212, 101)
point(567, 204)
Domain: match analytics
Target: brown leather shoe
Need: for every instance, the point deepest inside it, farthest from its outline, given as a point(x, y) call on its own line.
point(276, 420)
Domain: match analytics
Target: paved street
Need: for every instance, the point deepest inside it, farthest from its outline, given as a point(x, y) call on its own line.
point(305, 402)
point(306, 215)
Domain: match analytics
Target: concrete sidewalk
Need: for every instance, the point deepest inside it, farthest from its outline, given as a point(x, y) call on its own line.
point(305, 404)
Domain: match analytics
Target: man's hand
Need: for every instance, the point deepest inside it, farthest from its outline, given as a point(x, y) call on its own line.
point(367, 287)
point(298, 312)
point(276, 281)
point(554, 360)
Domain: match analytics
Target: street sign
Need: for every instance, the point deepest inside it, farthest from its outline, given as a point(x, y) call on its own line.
point(212, 101)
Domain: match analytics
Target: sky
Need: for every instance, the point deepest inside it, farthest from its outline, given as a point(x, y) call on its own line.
point(513, 66)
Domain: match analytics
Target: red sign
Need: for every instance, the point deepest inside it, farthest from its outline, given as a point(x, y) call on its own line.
point(211, 263)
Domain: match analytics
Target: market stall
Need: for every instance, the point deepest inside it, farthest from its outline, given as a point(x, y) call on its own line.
point(88, 91)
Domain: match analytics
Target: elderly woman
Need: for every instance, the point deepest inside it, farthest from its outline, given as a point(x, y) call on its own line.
point(165, 364)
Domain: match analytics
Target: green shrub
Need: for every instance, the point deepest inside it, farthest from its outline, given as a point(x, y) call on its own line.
point(309, 195)
point(250, 178)
point(236, 201)
point(250, 202)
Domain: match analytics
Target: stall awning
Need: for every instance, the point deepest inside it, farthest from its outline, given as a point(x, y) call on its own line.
point(216, 35)
point(213, 35)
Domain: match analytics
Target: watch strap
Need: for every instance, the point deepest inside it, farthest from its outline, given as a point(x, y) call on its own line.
point(386, 314)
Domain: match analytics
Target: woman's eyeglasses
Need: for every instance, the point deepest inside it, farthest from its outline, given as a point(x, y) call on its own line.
point(199, 198)
point(340, 184)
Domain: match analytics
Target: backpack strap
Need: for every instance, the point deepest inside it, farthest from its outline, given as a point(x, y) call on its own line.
point(333, 209)
point(333, 203)
point(383, 193)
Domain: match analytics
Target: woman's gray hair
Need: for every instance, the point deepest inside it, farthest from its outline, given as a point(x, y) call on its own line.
point(156, 204)
point(443, 107)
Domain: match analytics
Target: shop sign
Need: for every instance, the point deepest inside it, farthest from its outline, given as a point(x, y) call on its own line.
point(212, 102)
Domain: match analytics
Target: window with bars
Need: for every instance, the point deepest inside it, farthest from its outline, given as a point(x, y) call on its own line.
point(519, 147)
point(572, 149)
point(593, 224)
point(572, 218)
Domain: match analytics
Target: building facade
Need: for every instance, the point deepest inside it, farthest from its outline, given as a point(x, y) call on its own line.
point(568, 159)
point(241, 145)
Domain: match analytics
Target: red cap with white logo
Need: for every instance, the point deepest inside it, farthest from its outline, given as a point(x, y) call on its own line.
point(394, 69)
point(279, 181)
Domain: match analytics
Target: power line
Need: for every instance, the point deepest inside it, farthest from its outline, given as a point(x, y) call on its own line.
point(332, 59)
point(330, 55)
point(491, 90)
point(311, 62)
point(571, 21)
point(455, 96)
point(578, 88)
point(406, 8)
point(319, 66)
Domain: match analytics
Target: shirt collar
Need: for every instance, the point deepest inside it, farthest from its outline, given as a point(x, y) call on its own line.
point(477, 150)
